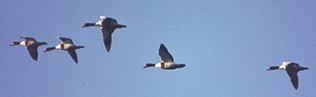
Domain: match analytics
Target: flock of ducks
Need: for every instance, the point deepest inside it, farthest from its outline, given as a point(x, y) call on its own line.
point(108, 25)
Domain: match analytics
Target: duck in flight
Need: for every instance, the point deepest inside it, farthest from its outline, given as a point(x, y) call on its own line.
point(108, 26)
point(66, 45)
point(31, 45)
point(292, 69)
point(166, 62)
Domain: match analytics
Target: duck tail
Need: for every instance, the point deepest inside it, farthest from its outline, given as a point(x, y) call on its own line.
point(78, 47)
point(119, 26)
point(42, 43)
point(181, 65)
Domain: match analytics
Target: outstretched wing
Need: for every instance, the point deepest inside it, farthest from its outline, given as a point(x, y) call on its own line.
point(294, 80)
point(73, 55)
point(290, 69)
point(66, 40)
point(107, 37)
point(164, 54)
point(107, 30)
point(33, 52)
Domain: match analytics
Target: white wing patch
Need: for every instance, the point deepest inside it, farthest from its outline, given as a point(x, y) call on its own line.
point(58, 46)
point(23, 42)
point(158, 65)
point(99, 23)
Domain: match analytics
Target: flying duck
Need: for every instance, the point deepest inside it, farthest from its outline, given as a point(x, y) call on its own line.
point(166, 60)
point(292, 69)
point(66, 45)
point(31, 45)
point(108, 26)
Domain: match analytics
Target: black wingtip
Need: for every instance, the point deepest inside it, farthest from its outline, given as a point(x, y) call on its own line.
point(162, 46)
point(34, 58)
point(295, 88)
point(108, 49)
point(76, 60)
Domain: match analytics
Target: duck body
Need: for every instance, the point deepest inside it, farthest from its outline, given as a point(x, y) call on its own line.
point(108, 26)
point(169, 66)
point(292, 70)
point(31, 44)
point(67, 47)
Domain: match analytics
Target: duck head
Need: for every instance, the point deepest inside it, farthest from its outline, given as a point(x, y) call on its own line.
point(149, 65)
point(89, 25)
point(273, 68)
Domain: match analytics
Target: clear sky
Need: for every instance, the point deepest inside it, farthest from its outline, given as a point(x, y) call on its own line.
point(226, 46)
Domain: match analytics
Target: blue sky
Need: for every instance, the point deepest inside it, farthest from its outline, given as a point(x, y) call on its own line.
point(225, 44)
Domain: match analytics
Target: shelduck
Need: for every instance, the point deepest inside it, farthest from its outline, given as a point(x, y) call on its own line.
point(108, 26)
point(31, 45)
point(292, 69)
point(66, 45)
point(166, 60)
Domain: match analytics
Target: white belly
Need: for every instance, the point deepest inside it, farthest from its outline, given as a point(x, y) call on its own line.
point(163, 65)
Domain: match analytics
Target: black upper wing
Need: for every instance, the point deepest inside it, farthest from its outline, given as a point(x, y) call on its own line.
point(107, 37)
point(292, 72)
point(73, 55)
point(33, 52)
point(164, 54)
